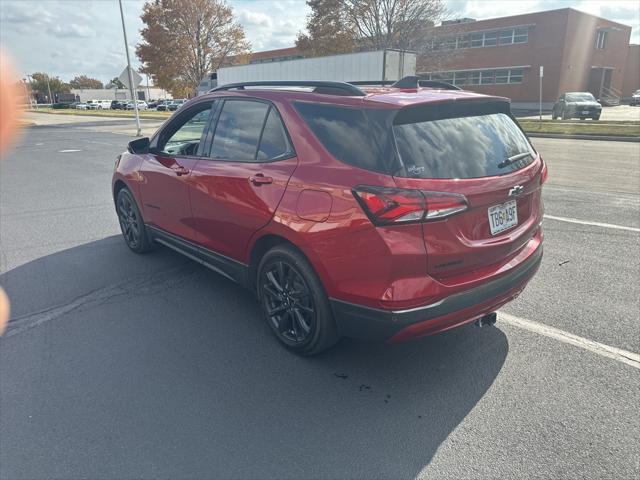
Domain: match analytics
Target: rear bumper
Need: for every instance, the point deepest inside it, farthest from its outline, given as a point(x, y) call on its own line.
point(364, 322)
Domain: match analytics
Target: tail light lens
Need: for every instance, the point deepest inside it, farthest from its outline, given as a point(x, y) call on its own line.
point(385, 206)
point(544, 173)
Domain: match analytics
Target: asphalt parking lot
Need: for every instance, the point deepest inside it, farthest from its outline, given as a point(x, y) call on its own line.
point(124, 366)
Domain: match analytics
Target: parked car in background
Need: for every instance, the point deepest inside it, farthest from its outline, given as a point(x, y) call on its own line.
point(635, 98)
point(156, 103)
point(142, 105)
point(81, 106)
point(376, 213)
point(98, 104)
point(164, 106)
point(175, 105)
point(576, 105)
point(118, 105)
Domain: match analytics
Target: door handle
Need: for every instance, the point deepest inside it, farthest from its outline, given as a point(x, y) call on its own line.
point(180, 170)
point(260, 179)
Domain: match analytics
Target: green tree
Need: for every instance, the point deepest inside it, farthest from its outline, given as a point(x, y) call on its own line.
point(38, 84)
point(182, 40)
point(83, 81)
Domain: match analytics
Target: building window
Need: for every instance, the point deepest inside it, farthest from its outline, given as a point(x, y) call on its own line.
point(486, 77)
point(601, 39)
point(506, 37)
point(459, 78)
point(476, 40)
point(515, 75)
point(500, 76)
point(490, 39)
point(520, 35)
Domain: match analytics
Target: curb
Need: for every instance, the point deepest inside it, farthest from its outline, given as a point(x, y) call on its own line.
point(610, 138)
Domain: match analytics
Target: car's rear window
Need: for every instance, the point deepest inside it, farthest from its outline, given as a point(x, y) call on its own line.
point(352, 135)
point(461, 147)
point(580, 97)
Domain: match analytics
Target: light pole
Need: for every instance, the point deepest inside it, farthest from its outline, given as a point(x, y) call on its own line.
point(131, 87)
point(49, 88)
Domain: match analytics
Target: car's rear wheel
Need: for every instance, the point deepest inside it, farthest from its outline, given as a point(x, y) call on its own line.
point(294, 302)
point(596, 118)
point(565, 115)
point(131, 223)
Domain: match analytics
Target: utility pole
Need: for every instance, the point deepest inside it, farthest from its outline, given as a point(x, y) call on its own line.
point(49, 88)
point(132, 89)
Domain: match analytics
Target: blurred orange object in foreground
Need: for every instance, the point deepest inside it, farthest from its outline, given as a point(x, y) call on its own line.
point(9, 116)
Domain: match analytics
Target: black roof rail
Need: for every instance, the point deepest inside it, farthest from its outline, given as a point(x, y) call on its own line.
point(330, 88)
point(410, 81)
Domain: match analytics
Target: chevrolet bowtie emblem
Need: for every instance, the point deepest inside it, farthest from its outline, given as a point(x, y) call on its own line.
point(515, 191)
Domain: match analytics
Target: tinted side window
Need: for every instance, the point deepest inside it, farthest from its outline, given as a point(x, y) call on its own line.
point(345, 132)
point(464, 147)
point(274, 143)
point(238, 130)
point(184, 139)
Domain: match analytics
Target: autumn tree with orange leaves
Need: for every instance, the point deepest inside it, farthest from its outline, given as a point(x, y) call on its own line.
point(183, 40)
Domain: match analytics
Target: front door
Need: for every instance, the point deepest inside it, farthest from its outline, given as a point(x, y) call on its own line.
point(237, 189)
point(167, 171)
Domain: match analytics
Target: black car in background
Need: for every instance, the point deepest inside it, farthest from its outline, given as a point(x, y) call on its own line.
point(118, 105)
point(576, 105)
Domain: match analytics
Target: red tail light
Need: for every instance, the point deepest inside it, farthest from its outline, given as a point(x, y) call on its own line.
point(545, 172)
point(386, 206)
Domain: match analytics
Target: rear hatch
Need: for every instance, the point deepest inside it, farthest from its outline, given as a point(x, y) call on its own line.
point(474, 160)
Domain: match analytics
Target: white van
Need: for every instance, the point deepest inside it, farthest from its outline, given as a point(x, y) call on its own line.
point(98, 104)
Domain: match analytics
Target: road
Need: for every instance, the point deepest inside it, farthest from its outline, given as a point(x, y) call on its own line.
point(124, 366)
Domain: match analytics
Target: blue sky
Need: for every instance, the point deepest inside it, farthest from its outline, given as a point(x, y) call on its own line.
point(71, 37)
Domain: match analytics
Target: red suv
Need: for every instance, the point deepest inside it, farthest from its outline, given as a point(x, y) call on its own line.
point(380, 213)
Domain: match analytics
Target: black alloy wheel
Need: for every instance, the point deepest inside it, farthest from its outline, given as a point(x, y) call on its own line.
point(294, 302)
point(131, 223)
point(288, 303)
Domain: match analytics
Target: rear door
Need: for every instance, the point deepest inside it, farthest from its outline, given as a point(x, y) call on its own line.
point(238, 187)
point(485, 157)
point(167, 171)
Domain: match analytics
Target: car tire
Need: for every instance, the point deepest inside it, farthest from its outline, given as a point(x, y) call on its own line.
point(582, 118)
point(564, 115)
point(596, 118)
point(294, 302)
point(131, 223)
point(553, 115)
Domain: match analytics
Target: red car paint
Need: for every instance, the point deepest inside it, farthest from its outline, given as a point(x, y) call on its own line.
point(307, 200)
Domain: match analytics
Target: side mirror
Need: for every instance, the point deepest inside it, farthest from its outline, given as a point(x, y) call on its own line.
point(140, 145)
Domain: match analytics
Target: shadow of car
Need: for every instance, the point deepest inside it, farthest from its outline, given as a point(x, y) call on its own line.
point(158, 366)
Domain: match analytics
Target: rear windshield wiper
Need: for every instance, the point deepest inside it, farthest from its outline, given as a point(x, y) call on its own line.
point(514, 158)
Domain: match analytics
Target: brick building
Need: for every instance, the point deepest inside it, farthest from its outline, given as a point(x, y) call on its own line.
point(502, 56)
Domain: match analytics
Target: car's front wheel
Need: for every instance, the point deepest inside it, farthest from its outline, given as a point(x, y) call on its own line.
point(131, 223)
point(294, 302)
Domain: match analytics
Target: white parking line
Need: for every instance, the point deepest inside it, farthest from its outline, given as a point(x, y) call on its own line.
point(69, 151)
point(594, 224)
point(623, 356)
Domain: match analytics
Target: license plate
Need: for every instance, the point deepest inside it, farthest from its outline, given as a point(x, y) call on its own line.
point(503, 217)
point(585, 112)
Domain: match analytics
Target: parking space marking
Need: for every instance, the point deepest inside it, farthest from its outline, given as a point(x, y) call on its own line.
point(594, 224)
point(69, 151)
point(623, 356)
